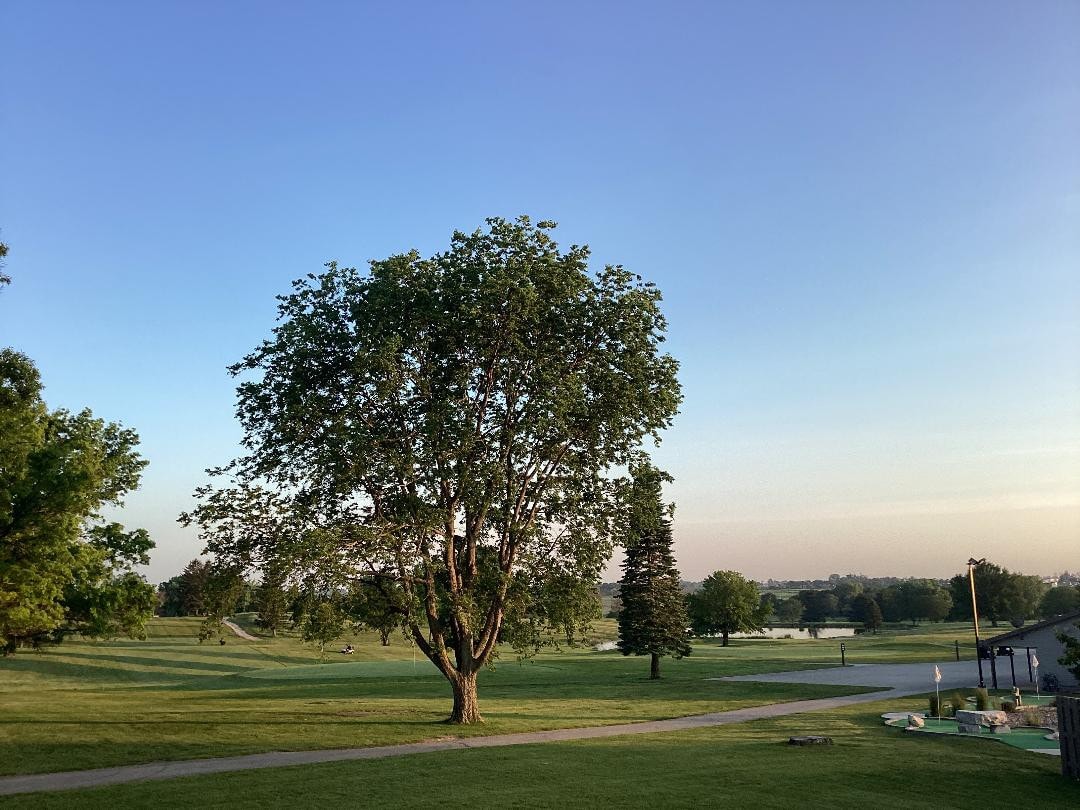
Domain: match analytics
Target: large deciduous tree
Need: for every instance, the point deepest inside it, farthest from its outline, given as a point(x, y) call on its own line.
point(653, 618)
point(1002, 594)
point(450, 424)
point(1059, 600)
point(726, 603)
point(63, 568)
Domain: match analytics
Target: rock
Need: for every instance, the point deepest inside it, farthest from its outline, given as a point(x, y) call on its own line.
point(1000, 729)
point(810, 740)
point(987, 718)
point(968, 728)
point(914, 721)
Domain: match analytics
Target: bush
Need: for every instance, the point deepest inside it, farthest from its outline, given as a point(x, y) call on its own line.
point(1032, 717)
point(935, 706)
point(982, 699)
point(1008, 706)
point(956, 701)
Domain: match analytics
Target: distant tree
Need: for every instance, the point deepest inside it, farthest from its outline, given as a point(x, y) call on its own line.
point(63, 568)
point(1023, 594)
point(845, 591)
point(222, 591)
point(170, 597)
point(194, 581)
point(272, 604)
point(653, 618)
point(790, 610)
point(864, 609)
point(568, 605)
point(1002, 595)
point(615, 609)
point(920, 599)
point(322, 623)
point(381, 605)
point(767, 606)
point(1059, 600)
point(726, 603)
point(818, 605)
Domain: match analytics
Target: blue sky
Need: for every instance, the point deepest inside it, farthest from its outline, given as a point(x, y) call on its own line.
point(864, 218)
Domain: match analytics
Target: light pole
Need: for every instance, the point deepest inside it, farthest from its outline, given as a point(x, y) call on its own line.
point(971, 563)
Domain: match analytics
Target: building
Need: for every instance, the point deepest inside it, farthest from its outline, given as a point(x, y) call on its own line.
point(1010, 654)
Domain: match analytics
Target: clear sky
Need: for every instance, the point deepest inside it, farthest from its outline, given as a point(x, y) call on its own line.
point(865, 218)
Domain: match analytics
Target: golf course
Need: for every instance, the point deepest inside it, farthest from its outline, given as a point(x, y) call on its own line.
point(85, 705)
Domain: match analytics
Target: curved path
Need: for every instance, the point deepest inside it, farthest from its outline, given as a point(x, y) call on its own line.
point(238, 630)
point(897, 680)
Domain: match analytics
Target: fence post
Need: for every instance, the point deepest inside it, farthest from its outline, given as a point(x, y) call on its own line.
point(1068, 712)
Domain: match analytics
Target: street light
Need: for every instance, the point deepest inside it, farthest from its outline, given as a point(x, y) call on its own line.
point(971, 563)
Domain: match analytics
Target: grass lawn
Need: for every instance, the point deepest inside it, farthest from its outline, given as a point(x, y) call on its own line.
point(746, 765)
point(93, 704)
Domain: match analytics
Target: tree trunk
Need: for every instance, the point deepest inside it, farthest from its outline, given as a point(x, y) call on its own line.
point(654, 668)
point(723, 638)
point(466, 709)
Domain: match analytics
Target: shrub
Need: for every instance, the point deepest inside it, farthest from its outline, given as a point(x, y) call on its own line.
point(1031, 717)
point(982, 699)
point(935, 706)
point(1008, 706)
point(956, 701)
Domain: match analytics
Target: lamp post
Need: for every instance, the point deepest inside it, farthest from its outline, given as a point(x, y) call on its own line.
point(971, 563)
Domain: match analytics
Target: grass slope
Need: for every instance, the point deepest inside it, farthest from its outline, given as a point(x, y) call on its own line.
point(93, 704)
point(747, 765)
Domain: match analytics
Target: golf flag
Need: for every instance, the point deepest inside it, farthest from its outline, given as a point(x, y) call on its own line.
point(937, 674)
point(1034, 661)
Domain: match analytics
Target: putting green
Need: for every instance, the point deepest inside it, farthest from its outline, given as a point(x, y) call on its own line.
point(1030, 739)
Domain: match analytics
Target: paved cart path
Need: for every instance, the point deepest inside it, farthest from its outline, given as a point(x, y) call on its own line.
point(239, 631)
point(898, 680)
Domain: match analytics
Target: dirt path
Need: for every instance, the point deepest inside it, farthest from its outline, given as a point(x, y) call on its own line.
point(71, 780)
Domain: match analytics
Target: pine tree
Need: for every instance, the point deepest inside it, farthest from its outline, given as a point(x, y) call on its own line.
point(653, 619)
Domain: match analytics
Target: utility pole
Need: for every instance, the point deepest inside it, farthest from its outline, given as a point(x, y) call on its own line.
point(971, 563)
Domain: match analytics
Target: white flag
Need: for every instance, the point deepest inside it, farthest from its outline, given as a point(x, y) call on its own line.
point(1034, 661)
point(937, 674)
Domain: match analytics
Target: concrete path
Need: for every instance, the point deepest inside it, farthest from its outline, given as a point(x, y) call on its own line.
point(238, 630)
point(911, 678)
point(71, 780)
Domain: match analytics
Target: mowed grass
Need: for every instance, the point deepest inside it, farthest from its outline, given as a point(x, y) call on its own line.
point(92, 704)
point(744, 765)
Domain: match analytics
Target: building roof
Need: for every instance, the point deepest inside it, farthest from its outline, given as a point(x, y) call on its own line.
point(1021, 632)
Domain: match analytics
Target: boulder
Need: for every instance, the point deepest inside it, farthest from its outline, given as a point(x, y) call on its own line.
point(915, 721)
point(968, 728)
point(810, 740)
point(987, 718)
point(1000, 729)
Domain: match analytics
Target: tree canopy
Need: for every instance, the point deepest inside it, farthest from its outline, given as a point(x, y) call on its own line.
point(451, 424)
point(1002, 594)
point(726, 603)
point(63, 567)
point(653, 618)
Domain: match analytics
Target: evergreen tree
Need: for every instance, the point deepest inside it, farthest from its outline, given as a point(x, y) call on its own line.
point(653, 619)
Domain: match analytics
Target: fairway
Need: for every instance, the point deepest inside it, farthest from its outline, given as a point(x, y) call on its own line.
point(93, 704)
